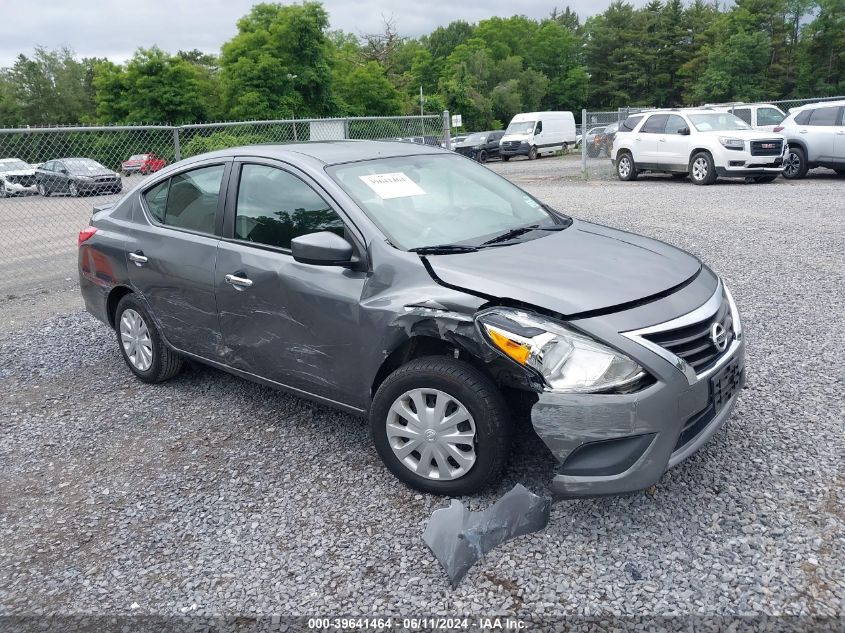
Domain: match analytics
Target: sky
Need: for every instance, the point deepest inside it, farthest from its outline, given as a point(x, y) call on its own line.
point(105, 28)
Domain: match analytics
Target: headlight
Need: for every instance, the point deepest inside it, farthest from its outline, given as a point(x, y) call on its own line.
point(567, 360)
point(732, 143)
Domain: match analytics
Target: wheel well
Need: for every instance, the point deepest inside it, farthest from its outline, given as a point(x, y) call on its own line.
point(799, 144)
point(699, 149)
point(417, 347)
point(117, 293)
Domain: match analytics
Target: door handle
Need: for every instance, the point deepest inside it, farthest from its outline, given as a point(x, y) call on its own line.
point(238, 282)
point(138, 257)
point(662, 139)
point(637, 138)
point(802, 131)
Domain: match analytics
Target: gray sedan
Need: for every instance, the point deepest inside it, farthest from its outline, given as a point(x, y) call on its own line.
point(414, 286)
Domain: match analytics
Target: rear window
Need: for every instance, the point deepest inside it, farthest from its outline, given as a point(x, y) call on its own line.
point(630, 123)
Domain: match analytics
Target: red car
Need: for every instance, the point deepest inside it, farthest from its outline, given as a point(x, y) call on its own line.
point(142, 163)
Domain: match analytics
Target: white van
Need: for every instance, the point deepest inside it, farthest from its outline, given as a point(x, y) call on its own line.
point(534, 133)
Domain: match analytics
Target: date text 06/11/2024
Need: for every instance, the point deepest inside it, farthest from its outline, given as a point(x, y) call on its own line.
point(413, 624)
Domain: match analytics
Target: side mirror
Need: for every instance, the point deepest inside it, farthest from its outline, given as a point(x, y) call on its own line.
point(684, 131)
point(322, 249)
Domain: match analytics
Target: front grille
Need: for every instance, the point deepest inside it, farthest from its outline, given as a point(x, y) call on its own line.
point(24, 181)
point(511, 144)
point(773, 147)
point(693, 342)
point(105, 179)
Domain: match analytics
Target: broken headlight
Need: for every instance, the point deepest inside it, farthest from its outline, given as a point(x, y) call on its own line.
point(567, 360)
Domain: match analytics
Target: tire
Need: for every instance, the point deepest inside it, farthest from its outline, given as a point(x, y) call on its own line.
point(702, 171)
point(506, 158)
point(565, 148)
point(532, 153)
point(626, 168)
point(3, 193)
point(42, 190)
point(163, 363)
point(482, 156)
point(469, 388)
point(73, 190)
point(795, 165)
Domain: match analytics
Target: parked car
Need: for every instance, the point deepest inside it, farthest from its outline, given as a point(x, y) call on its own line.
point(17, 178)
point(481, 146)
point(603, 143)
point(704, 144)
point(76, 177)
point(815, 135)
point(143, 164)
point(590, 139)
point(533, 134)
point(454, 141)
point(760, 116)
point(408, 284)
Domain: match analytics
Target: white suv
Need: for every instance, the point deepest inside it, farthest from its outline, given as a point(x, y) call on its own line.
point(816, 138)
point(704, 144)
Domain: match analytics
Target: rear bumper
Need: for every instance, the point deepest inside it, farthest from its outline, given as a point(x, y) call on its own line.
point(612, 444)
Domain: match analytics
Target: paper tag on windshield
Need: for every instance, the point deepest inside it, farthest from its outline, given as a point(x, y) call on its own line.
point(396, 185)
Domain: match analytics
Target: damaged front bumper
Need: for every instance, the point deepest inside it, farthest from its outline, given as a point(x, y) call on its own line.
point(617, 443)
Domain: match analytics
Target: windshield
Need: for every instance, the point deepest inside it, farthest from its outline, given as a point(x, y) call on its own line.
point(718, 121)
point(521, 127)
point(434, 200)
point(82, 164)
point(14, 165)
point(475, 139)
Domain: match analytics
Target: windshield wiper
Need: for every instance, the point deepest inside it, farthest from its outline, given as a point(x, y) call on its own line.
point(443, 249)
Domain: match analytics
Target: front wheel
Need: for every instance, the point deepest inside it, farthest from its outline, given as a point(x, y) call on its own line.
point(506, 158)
point(141, 345)
point(441, 426)
point(42, 190)
point(482, 156)
point(701, 169)
point(626, 169)
point(73, 190)
point(795, 164)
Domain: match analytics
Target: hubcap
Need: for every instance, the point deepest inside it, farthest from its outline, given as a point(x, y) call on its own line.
point(699, 169)
point(624, 167)
point(432, 434)
point(793, 164)
point(72, 189)
point(135, 338)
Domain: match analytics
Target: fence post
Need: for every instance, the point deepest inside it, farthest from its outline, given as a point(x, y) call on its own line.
point(177, 149)
point(447, 131)
point(584, 142)
point(346, 128)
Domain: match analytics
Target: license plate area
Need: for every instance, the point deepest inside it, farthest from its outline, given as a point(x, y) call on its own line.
point(725, 384)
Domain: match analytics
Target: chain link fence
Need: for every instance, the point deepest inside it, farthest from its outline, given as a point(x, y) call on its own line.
point(599, 128)
point(42, 208)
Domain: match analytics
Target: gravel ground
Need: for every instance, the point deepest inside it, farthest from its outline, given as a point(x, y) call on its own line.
point(210, 495)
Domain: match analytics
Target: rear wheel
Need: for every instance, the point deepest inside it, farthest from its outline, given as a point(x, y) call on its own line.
point(795, 165)
point(565, 148)
point(506, 158)
point(141, 345)
point(701, 169)
point(72, 189)
point(441, 426)
point(626, 169)
point(42, 190)
point(532, 153)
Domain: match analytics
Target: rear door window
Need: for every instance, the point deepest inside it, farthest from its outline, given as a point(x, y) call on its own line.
point(656, 124)
point(188, 200)
point(824, 116)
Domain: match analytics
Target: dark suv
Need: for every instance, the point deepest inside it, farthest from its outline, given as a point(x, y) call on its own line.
point(482, 146)
point(411, 285)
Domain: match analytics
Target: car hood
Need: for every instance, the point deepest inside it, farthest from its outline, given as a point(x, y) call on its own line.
point(18, 172)
point(584, 268)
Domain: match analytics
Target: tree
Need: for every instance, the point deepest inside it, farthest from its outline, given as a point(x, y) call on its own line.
point(279, 65)
point(367, 91)
point(153, 87)
point(50, 88)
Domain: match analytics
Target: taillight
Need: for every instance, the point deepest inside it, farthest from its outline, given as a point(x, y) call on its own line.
point(778, 128)
point(85, 234)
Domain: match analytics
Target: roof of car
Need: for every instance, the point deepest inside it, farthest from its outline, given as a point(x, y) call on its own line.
point(817, 104)
point(334, 152)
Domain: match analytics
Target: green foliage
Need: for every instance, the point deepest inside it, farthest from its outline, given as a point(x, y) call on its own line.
point(154, 87)
point(279, 64)
point(201, 143)
point(284, 63)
